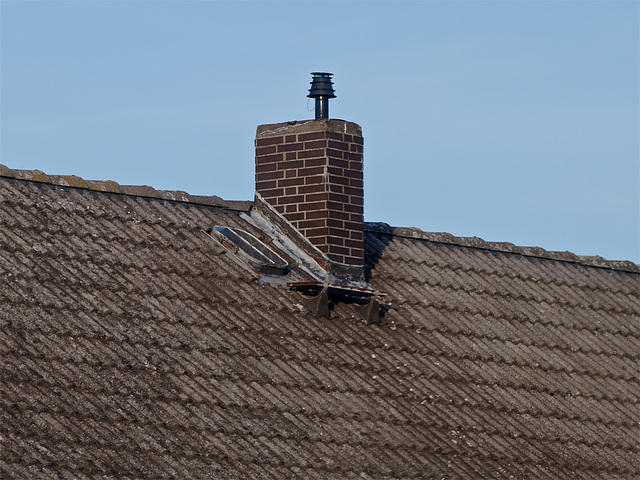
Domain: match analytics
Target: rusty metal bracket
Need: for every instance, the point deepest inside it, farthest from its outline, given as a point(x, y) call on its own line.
point(317, 298)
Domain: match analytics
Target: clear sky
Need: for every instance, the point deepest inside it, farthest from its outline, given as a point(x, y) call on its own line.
point(511, 121)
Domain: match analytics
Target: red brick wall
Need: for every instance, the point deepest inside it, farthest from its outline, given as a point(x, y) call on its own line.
point(312, 173)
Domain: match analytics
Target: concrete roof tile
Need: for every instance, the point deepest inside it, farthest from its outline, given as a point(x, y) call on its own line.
point(133, 345)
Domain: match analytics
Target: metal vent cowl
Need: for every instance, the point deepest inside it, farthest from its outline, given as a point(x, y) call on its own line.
point(322, 90)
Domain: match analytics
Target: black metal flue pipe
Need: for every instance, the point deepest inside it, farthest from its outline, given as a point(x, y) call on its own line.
point(322, 90)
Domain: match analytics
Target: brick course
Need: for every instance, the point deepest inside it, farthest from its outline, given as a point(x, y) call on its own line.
point(312, 173)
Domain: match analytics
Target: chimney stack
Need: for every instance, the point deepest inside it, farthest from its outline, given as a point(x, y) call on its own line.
point(311, 172)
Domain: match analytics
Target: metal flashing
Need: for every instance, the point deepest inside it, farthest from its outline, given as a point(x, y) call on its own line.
point(321, 298)
point(346, 290)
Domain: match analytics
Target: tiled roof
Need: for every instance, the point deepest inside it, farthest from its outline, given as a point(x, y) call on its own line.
point(133, 346)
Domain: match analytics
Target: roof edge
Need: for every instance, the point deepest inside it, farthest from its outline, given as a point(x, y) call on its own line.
point(505, 247)
point(108, 186)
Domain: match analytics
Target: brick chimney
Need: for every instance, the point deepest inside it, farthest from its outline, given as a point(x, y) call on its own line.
point(312, 173)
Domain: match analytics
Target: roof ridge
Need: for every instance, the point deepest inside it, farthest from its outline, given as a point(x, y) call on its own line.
point(109, 186)
point(504, 247)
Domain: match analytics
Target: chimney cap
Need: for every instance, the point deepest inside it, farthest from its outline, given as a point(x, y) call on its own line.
point(321, 85)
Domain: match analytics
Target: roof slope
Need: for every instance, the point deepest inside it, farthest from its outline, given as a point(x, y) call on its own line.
point(132, 346)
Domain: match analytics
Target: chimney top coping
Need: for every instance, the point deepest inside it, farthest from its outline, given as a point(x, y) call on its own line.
point(307, 126)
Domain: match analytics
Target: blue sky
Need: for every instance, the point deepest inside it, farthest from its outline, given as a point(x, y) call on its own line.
point(512, 121)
